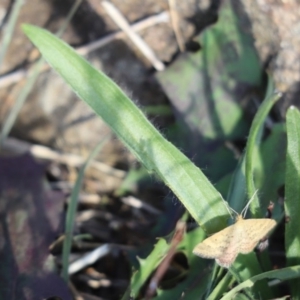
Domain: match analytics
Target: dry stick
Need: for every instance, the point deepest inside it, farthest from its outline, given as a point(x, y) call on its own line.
point(117, 17)
point(138, 26)
point(137, 203)
point(84, 50)
point(175, 24)
point(89, 258)
point(43, 152)
point(161, 270)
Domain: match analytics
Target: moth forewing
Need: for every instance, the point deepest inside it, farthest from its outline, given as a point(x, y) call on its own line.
point(258, 230)
point(241, 237)
point(208, 249)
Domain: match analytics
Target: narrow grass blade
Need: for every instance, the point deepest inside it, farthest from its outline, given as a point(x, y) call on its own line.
point(280, 275)
point(72, 208)
point(236, 193)
point(69, 17)
point(188, 183)
point(292, 193)
point(35, 71)
point(247, 265)
point(221, 287)
point(272, 167)
point(12, 116)
point(252, 143)
point(8, 33)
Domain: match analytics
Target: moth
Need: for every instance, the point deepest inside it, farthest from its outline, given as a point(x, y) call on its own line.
point(241, 237)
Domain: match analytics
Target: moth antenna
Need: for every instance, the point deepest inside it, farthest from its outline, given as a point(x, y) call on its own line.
point(244, 211)
point(229, 209)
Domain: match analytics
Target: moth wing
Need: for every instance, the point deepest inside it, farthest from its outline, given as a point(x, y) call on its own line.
point(252, 231)
point(226, 259)
point(215, 245)
point(231, 251)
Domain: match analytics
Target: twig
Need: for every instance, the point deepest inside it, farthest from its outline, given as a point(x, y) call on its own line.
point(175, 24)
point(138, 26)
point(92, 256)
point(43, 152)
point(117, 17)
point(137, 203)
point(162, 268)
point(84, 50)
point(89, 259)
point(16, 76)
point(88, 214)
point(89, 199)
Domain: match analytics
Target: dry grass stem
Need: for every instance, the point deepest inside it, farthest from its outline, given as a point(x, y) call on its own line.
point(118, 18)
point(42, 152)
point(163, 17)
point(176, 24)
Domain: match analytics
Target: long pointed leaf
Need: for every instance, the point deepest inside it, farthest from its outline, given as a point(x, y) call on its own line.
point(292, 193)
point(189, 184)
point(282, 274)
point(251, 148)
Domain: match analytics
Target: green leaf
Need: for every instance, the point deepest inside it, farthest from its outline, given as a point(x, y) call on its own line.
point(271, 173)
point(252, 148)
point(282, 274)
point(292, 193)
point(222, 286)
point(72, 209)
point(206, 89)
point(147, 267)
point(247, 266)
point(188, 183)
point(196, 271)
point(236, 192)
point(30, 222)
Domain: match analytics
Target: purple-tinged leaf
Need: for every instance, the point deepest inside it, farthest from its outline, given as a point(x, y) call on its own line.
point(30, 217)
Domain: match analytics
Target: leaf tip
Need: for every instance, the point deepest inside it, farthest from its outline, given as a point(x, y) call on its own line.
point(26, 27)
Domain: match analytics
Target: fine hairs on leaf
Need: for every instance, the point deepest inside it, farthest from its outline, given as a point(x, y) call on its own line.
point(186, 180)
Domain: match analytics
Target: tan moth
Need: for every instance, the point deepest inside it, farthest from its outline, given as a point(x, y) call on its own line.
point(241, 237)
